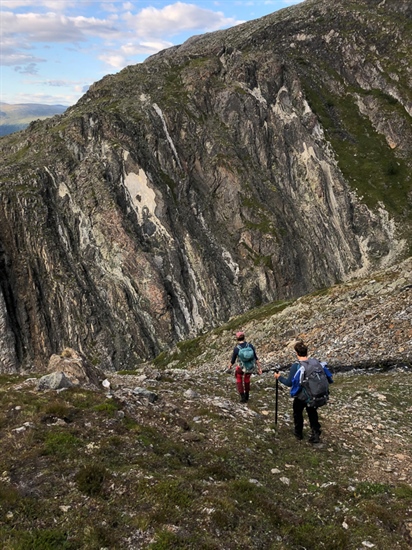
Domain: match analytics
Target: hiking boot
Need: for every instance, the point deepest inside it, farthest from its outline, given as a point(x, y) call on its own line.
point(242, 398)
point(315, 437)
point(298, 435)
point(246, 396)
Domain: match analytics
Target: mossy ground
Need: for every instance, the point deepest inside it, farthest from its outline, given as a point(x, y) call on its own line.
point(89, 472)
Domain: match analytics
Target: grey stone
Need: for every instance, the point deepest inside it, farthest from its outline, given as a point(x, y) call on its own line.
point(142, 392)
point(191, 394)
point(54, 381)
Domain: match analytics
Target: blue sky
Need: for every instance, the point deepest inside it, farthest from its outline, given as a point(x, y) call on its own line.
point(53, 50)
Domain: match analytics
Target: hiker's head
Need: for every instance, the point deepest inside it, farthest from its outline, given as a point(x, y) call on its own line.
point(301, 349)
point(240, 336)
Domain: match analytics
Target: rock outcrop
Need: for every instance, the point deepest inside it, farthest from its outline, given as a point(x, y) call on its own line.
point(245, 166)
point(71, 369)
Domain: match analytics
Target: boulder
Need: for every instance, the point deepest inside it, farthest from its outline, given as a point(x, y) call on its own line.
point(142, 392)
point(54, 381)
point(76, 368)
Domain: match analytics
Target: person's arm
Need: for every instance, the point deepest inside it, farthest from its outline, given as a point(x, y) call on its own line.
point(259, 366)
point(288, 381)
point(234, 356)
point(328, 374)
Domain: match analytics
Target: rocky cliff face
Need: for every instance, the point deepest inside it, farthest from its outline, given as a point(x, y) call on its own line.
point(247, 165)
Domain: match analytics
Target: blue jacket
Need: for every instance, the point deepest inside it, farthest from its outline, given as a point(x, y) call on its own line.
point(295, 376)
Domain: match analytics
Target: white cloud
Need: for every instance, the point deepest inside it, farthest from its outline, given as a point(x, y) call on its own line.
point(56, 83)
point(113, 60)
point(149, 47)
point(175, 19)
point(126, 54)
point(29, 68)
point(150, 23)
point(11, 56)
point(140, 34)
point(51, 27)
point(110, 7)
point(57, 5)
point(64, 92)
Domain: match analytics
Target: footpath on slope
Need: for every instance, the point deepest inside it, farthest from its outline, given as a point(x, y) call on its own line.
point(368, 420)
point(361, 328)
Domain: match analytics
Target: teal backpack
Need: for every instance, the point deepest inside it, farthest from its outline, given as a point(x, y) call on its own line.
point(246, 357)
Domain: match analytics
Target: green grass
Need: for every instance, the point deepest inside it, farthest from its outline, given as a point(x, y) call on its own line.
point(41, 540)
point(367, 162)
point(103, 476)
point(61, 444)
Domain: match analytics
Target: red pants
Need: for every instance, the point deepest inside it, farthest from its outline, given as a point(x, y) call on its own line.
point(242, 380)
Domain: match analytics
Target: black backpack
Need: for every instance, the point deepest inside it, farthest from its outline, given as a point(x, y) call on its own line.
point(315, 384)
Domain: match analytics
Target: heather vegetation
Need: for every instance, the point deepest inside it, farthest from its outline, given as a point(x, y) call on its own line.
point(196, 469)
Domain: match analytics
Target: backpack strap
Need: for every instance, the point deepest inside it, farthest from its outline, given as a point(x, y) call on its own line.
point(239, 346)
point(302, 370)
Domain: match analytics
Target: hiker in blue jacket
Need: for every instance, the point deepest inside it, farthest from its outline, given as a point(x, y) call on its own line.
point(293, 381)
point(242, 376)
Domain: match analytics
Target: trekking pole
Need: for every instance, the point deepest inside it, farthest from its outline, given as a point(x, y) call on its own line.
point(276, 399)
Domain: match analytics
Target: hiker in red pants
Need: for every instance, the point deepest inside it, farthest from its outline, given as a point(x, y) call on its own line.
point(245, 354)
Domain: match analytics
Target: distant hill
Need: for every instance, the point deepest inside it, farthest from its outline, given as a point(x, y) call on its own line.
point(17, 117)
